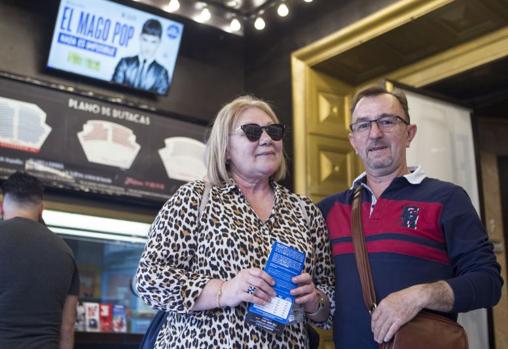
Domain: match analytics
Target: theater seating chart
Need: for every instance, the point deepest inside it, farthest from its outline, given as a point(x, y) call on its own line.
point(22, 125)
point(183, 158)
point(108, 143)
point(89, 145)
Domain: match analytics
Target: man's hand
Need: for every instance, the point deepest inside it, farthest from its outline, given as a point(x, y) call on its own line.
point(394, 311)
point(400, 307)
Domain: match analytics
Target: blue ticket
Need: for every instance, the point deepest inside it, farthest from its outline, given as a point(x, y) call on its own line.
point(283, 264)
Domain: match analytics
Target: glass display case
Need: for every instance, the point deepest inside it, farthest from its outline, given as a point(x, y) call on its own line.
point(107, 253)
point(106, 271)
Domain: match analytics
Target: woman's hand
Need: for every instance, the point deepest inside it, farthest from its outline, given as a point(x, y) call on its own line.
point(251, 285)
point(306, 293)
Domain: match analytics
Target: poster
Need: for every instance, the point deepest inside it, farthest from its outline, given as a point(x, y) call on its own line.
point(109, 41)
point(89, 145)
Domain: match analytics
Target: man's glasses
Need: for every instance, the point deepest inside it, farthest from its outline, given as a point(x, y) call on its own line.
point(385, 123)
point(253, 131)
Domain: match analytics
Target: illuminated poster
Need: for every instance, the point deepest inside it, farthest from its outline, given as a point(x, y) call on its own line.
point(112, 42)
point(87, 145)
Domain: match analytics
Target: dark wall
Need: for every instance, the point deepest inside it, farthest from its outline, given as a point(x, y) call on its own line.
point(502, 164)
point(268, 53)
point(208, 72)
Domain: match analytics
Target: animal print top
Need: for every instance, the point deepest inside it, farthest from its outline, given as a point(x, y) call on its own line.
point(181, 256)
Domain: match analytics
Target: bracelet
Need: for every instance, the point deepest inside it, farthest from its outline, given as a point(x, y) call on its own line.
point(321, 305)
point(219, 293)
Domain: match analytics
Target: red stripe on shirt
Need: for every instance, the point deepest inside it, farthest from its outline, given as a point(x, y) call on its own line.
point(387, 218)
point(406, 248)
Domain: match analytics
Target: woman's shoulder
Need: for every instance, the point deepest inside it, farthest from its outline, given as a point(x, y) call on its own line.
point(190, 189)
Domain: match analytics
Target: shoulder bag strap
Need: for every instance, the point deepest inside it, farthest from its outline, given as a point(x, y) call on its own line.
point(204, 200)
point(304, 212)
point(361, 254)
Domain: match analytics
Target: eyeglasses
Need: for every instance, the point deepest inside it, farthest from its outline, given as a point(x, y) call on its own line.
point(253, 131)
point(385, 122)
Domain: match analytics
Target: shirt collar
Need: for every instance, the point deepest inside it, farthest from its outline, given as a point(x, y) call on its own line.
point(415, 176)
point(148, 61)
point(230, 185)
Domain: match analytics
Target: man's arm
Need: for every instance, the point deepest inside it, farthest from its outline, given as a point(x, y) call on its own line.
point(68, 320)
point(400, 307)
point(476, 284)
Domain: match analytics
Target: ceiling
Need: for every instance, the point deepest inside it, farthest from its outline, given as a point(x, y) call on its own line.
point(240, 7)
point(446, 27)
point(484, 89)
point(244, 7)
point(222, 11)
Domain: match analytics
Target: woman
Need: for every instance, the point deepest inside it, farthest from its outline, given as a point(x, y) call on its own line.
point(206, 273)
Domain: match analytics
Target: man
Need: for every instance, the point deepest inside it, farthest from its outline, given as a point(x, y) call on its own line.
point(426, 244)
point(39, 282)
point(142, 71)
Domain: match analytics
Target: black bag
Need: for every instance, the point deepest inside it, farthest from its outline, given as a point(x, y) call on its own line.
point(152, 331)
point(313, 337)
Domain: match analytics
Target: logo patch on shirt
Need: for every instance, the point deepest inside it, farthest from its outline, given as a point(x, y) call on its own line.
point(410, 216)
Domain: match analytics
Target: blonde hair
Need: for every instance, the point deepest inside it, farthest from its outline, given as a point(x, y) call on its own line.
point(217, 145)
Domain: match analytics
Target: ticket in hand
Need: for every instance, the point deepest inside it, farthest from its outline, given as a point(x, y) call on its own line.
point(283, 264)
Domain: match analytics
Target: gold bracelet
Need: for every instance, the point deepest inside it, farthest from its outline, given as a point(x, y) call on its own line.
point(321, 305)
point(219, 294)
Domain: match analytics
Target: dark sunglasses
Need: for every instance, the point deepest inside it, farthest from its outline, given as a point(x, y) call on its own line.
point(253, 131)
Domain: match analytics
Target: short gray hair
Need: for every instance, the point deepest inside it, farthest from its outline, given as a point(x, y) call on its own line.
point(376, 90)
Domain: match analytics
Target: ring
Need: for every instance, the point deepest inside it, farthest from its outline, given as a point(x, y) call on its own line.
point(251, 289)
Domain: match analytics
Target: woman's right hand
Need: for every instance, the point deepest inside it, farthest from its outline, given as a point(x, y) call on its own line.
point(251, 285)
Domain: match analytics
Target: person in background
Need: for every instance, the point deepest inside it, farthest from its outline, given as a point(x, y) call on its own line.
point(205, 274)
point(143, 71)
point(39, 281)
point(427, 246)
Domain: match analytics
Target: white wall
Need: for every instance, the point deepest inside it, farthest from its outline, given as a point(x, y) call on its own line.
point(444, 147)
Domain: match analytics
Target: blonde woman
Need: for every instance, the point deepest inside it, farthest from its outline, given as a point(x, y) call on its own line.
point(205, 274)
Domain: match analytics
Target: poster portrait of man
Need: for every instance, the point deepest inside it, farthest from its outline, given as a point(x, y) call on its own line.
point(142, 71)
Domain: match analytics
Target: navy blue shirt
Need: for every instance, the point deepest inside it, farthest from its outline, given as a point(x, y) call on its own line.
point(416, 233)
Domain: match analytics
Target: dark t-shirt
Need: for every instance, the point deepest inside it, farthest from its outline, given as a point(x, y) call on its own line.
point(37, 272)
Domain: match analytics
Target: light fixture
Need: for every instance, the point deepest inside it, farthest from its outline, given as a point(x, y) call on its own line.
point(172, 6)
point(235, 25)
point(259, 23)
point(97, 236)
point(307, 0)
point(95, 227)
point(204, 15)
point(282, 10)
point(232, 3)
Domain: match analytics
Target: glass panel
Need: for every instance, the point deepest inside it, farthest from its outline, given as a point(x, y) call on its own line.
point(107, 299)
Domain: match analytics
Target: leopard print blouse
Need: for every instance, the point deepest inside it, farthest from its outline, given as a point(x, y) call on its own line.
point(181, 256)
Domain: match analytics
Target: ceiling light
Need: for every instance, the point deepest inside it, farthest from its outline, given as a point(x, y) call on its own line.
point(204, 16)
point(307, 0)
point(232, 3)
point(283, 10)
point(172, 6)
point(259, 23)
point(235, 25)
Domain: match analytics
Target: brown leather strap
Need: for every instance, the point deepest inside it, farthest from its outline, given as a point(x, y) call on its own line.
point(361, 254)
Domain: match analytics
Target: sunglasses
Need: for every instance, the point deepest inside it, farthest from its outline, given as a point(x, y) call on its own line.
point(253, 131)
